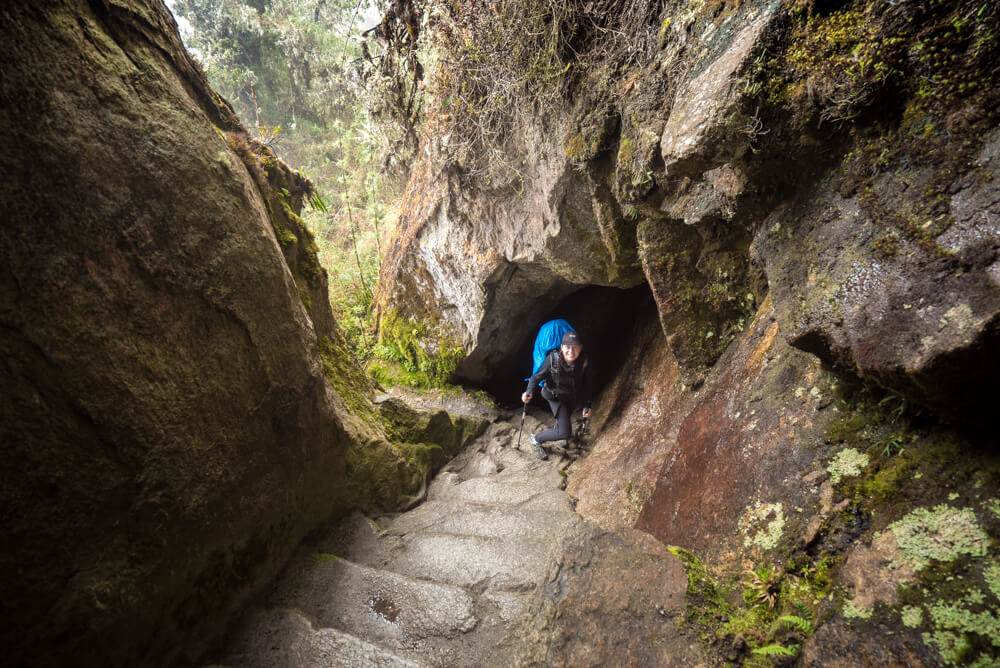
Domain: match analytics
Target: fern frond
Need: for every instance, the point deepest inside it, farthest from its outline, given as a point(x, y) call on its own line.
point(775, 650)
point(803, 625)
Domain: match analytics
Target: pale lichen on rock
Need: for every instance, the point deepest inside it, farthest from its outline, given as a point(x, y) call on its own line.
point(942, 534)
point(847, 463)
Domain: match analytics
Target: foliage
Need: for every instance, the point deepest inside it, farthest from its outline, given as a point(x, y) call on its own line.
point(803, 625)
point(393, 80)
point(780, 605)
point(491, 67)
point(277, 61)
point(762, 586)
point(286, 67)
point(775, 650)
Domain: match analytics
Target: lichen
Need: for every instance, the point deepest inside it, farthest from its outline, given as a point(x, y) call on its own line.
point(846, 463)
point(755, 532)
point(955, 621)
point(991, 573)
point(851, 610)
point(912, 616)
point(993, 505)
point(940, 534)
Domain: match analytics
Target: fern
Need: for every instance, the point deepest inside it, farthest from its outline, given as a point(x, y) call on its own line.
point(317, 203)
point(803, 625)
point(775, 650)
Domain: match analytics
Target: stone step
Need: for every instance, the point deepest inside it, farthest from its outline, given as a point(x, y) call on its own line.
point(446, 583)
point(537, 491)
point(383, 607)
point(546, 520)
point(466, 561)
point(351, 538)
point(286, 638)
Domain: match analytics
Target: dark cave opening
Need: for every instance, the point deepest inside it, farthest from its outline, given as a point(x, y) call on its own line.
point(604, 318)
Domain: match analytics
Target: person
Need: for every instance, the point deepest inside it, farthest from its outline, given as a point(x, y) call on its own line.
point(568, 383)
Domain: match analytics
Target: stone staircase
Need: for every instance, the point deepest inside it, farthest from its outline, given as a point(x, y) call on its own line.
point(446, 584)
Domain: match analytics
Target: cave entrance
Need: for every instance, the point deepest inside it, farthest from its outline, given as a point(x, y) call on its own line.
point(603, 316)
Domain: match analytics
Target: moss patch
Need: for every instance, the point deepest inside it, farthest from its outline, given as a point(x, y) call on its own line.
point(424, 356)
point(705, 605)
point(776, 612)
point(347, 378)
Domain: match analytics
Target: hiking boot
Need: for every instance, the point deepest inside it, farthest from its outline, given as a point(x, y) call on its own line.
point(537, 447)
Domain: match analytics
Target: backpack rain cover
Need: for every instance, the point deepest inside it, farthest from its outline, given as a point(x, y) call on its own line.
point(549, 337)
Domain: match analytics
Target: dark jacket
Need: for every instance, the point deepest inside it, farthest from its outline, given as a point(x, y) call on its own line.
point(564, 383)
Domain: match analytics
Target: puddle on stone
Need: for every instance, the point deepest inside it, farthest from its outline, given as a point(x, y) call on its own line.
point(384, 608)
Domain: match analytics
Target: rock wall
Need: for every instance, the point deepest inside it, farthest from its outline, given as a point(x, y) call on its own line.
point(810, 191)
point(178, 406)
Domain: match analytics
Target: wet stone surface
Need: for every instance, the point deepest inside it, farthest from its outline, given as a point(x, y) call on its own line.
point(458, 579)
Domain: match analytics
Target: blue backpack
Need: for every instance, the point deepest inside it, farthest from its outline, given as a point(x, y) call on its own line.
point(549, 337)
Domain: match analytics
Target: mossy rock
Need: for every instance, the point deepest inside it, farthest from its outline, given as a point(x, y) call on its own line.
point(428, 354)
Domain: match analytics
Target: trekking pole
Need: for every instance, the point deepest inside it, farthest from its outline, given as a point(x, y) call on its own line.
point(524, 410)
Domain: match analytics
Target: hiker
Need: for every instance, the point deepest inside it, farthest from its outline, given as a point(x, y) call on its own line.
point(568, 382)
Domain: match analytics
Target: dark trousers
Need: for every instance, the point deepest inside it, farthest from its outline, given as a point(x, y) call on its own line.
point(563, 428)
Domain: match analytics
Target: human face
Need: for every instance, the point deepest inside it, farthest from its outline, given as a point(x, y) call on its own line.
point(570, 353)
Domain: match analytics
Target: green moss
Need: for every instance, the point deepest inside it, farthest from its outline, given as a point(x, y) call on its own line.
point(306, 299)
point(429, 358)
point(419, 458)
point(705, 605)
point(389, 472)
point(887, 245)
point(885, 482)
point(939, 534)
point(285, 236)
point(844, 58)
point(846, 428)
point(626, 151)
point(576, 148)
point(347, 378)
point(306, 262)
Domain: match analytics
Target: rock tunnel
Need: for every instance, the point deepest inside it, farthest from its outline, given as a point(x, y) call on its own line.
point(604, 317)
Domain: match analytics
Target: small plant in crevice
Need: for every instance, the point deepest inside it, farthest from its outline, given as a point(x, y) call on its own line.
point(762, 586)
point(770, 613)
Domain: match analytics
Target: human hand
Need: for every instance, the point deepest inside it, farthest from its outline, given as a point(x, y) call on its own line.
point(586, 413)
point(526, 398)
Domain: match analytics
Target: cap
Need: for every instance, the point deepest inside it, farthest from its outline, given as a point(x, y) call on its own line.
point(571, 339)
